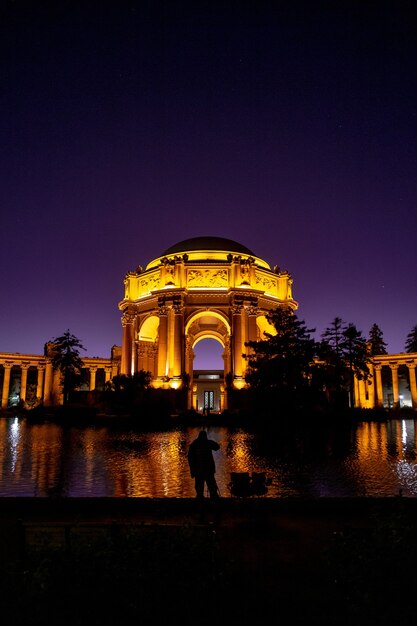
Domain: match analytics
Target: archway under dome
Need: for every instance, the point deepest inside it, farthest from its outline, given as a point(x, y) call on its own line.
point(206, 287)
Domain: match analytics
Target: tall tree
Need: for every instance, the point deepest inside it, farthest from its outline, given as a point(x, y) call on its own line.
point(411, 341)
point(65, 357)
point(281, 364)
point(344, 350)
point(376, 341)
point(333, 337)
point(356, 356)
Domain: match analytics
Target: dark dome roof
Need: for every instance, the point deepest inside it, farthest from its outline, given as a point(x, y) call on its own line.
point(208, 243)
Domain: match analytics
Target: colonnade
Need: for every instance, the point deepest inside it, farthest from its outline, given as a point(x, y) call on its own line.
point(48, 389)
point(371, 394)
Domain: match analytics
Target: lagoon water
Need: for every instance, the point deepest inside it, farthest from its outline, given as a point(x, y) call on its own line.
point(49, 460)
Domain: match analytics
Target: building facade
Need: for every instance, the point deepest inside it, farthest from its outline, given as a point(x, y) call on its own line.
point(207, 287)
point(201, 288)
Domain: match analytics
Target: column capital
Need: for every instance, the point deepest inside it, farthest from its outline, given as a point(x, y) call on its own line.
point(128, 318)
point(252, 310)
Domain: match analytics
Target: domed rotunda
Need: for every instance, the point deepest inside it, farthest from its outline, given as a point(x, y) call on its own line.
point(205, 287)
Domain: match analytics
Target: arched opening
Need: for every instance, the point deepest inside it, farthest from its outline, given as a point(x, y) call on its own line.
point(208, 355)
point(208, 334)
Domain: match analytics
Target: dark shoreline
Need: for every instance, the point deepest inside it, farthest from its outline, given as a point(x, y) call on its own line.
point(341, 561)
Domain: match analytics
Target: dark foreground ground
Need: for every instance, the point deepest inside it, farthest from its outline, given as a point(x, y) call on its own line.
point(236, 561)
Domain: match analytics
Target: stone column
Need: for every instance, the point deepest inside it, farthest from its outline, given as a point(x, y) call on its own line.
point(93, 372)
point(227, 357)
point(162, 342)
point(24, 367)
point(356, 400)
point(237, 341)
point(39, 387)
point(47, 391)
point(170, 342)
point(379, 390)
point(127, 339)
point(107, 374)
point(413, 387)
point(394, 370)
point(142, 364)
point(178, 340)
point(6, 385)
point(252, 328)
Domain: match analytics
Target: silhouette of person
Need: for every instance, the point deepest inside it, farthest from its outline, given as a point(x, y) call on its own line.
point(202, 465)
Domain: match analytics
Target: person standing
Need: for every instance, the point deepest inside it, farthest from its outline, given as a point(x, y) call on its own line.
point(202, 465)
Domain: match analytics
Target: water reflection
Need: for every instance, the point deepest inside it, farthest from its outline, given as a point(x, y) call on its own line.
point(372, 459)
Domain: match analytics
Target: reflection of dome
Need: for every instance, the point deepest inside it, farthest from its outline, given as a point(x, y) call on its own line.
point(208, 243)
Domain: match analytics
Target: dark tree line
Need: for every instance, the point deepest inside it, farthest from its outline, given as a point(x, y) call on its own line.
point(291, 370)
point(287, 369)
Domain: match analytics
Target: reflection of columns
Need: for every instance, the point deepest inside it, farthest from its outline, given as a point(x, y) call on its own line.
point(162, 342)
point(394, 370)
point(413, 387)
point(237, 341)
point(93, 371)
point(23, 380)
point(6, 385)
point(41, 375)
point(379, 390)
point(47, 392)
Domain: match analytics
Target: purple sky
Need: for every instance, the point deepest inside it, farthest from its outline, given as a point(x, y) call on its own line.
point(289, 127)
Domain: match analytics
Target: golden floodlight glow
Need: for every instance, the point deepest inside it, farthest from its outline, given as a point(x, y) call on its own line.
point(206, 287)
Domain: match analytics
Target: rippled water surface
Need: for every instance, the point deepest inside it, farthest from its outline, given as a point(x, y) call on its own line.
point(372, 459)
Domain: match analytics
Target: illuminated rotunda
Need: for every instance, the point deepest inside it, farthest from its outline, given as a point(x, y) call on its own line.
point(206, 287)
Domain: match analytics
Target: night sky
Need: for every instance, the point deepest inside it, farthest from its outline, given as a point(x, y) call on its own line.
point(290, 127)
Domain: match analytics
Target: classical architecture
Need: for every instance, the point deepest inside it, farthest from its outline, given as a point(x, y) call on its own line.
point(29, 378)
point(206, 287)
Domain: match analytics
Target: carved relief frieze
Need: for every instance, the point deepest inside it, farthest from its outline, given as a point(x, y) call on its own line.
point(149, 283)
point(207, 278)
point(264, 282)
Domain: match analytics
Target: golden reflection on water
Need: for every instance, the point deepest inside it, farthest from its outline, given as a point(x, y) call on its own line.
point(46, 460)
point(389, 445)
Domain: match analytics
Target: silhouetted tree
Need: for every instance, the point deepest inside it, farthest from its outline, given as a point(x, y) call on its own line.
point(377, 344)
point(128, 391)
point(344, 351)
point(281, 365)
point(411, 341)
point(356, 356)
point(65, 357)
